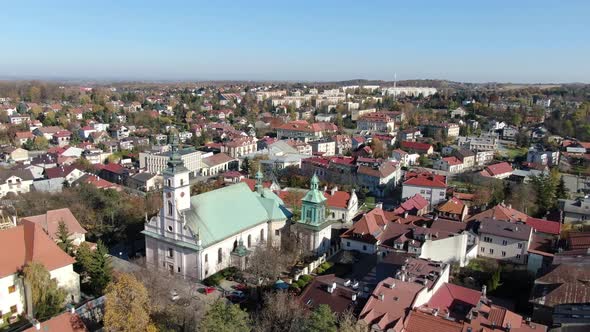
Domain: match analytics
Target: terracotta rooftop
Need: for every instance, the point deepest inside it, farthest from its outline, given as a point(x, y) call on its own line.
point(453, 205)
point(318, 292)
point(544, 225)
point(51, 219)
point(29, 243)
point(66, 322)
point(425, 180)
point(501, 212)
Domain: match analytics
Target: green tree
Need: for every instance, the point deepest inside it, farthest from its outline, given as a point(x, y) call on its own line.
point(561, 191)
point(225, 317)
point(494, 282)
point(48, 298)
point(321, 320)
point(63, 238)
point(100, 270)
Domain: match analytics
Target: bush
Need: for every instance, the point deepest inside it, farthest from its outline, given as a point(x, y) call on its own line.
point(213, 280)
point(295, 287)
point(301, 283)
point(306, 277)
point(320, 270)
point(326, 265)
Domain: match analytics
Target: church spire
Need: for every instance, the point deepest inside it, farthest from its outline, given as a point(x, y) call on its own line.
point(175, 163)
point(258, 187)
point(315, 182)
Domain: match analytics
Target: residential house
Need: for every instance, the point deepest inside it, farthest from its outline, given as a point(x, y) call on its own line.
point(430, 186)
point(538, 155)
point(338, 294)
point(15, 181)
point(421, 148)
point(65, 322)
point(302, 130)
point(575, 211)
point(449, 164)
point(47, 132)
point(467, 157)
point(503, 240)
point(22, 137)
point(404, 158)
point(61, 138)
point(51, 220)
point(415, 205)
point(378, 179)
point(453, 209)
point(410, 135)
point(19, 119)
point(29, 243)
point(501, 170)
point(145, 181)
point(239, 147)
point(12, 154)
point(323, 147)
point(376, 122)
point(67, 173)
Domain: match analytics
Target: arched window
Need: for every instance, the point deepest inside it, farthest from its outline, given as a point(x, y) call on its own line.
point(219, 256)
point(169, 183)
point(182, 182)
point(249, 241)
point(206, 258)
point(235, 245)
point(262, 235)
point(170, 208)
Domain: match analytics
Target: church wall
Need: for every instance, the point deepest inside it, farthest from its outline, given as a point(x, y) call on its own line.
point(227, 246)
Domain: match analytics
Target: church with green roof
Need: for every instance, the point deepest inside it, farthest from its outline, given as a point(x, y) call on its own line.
point(200, 235)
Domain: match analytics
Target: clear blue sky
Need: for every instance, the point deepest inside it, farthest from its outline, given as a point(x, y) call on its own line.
point(475, 41)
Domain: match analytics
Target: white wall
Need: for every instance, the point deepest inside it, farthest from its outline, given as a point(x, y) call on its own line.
point(68, 280)
point(446, 250)
point(432, 195)
point(7, 300)
point(349, 244)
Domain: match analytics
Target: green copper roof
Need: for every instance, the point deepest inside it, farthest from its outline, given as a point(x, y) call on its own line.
point(221, 213)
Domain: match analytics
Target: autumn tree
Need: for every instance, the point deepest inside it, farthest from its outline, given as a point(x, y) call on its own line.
point(127, 306)
point(225, 317)
point(281, 312)
point(267, 263)
point(378, 148)
point(48, 298)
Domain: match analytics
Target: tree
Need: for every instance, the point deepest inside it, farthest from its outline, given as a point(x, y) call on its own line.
point(494, 282)
point(348, 323)
point(127, 306)
point(561, 191)
point(482, 197)
point(377, 147)
point(281, 312)
point(246, 165)
point(63, 238)
point(48, 299)
point(225, 317)
point(266, 263)
point(100, 270)
point(321, 320)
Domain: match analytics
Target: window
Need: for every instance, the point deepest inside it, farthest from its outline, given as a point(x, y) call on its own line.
point(348, 243)
point(13, 309)
point(219, 256)
point(503, 254)
point(364, 247)
point(169, 228)
point(491, 251)
point(504, 242)
point(170, 208)
point(262, 235)
point(441, 194)
point(483, 249)
point(518, 256)
point(181, 182)
point(277, 232)
point(520, 246)
point(178, 269)
point(170, 252)
point(206, 258)
point(249, 241)
point(11, 289)
point(169, 183)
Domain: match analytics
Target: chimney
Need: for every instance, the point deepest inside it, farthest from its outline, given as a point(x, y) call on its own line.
point(405, 214)
point(334, 190)
point(14, 220)
point(381, 297)
point(434, 312)
point(483, 291)
point(392, 285)
point(508, 327)
point(379, 205)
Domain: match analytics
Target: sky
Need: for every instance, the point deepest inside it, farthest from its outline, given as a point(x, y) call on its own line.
point(520, 41)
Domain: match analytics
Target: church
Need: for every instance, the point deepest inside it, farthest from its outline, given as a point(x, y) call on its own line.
point(198, 236)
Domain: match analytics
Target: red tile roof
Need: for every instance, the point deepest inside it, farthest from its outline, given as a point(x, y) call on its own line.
point(452, 161)
point(501, 212)
point(51, 219)
point(449, 295)
point(29, 243)
point(420, 322)
point(416, 202)
point(416, 146)
point(425, 180)
point(497, 169)
point(66, 322)
point(544, 226)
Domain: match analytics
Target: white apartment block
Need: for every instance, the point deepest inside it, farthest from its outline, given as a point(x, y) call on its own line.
point(409, 91)
point(155, 163)
point(504, 240)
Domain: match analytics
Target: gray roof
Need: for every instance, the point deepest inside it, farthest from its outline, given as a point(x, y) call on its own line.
point(505, 229)
point(143, 176)
point(54, 185)
point(579, 206)
point(24, 174)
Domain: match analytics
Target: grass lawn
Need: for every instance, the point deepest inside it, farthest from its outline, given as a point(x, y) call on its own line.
point(512, 153)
